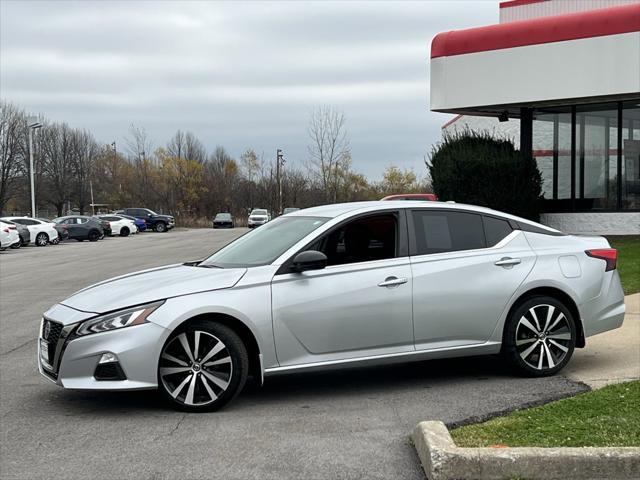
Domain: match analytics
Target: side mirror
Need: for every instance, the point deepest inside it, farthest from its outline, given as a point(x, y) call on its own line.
point(309, 260)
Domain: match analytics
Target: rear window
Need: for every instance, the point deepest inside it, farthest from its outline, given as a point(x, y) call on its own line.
point(495, 229)
point(438, 231)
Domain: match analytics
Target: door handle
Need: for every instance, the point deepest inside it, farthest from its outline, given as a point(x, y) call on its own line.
point(392, 282)
point(507, 262)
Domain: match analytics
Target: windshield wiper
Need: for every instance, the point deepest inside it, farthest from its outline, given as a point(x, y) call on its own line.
point(208, 265)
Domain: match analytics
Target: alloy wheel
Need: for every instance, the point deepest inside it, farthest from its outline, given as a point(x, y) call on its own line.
point(543, 337)
point(42, 239)
point(195, 368)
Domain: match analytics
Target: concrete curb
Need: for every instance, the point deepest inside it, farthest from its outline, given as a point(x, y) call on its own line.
point(443, 460)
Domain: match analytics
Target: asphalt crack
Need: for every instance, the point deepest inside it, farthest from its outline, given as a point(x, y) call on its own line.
point(17, 348)
point(175, 427)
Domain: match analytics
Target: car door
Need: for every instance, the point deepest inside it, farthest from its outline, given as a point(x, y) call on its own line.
point(466, 266)
point(358, 306)
point(74, 227)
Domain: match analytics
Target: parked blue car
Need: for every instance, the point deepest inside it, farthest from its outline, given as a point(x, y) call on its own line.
point(140, 223)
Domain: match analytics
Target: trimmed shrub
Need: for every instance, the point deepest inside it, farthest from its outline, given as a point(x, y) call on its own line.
point(476, 168)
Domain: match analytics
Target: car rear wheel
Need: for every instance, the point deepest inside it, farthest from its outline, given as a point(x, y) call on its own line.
point(42, 239)
point(124, 232)
point(16, 245)
point(94, 236)
point(161, 227)
point(202, 367)
point(540, 337)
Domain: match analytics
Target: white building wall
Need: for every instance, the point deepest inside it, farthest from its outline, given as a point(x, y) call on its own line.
point(594, 223)
point(555, 7)
point(537, 73)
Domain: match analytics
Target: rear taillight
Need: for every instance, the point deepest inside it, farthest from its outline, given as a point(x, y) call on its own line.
point(13, 227)
point(609, 255)
point(5, 230)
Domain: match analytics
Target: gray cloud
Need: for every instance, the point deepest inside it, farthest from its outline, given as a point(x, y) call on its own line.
point(239, 74)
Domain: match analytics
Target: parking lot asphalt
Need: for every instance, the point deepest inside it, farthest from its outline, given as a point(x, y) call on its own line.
point(349, 424)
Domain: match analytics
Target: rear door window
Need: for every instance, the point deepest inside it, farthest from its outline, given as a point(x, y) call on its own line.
point(443, 231)
point(495, 229)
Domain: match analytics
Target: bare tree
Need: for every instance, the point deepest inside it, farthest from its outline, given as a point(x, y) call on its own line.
point(187, 146)
point(56, 148)
point(13, 141)
point(139, 149)
point(85, 152)
point(329, 149)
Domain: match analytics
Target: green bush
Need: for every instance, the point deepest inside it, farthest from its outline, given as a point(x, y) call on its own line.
point(475, 168)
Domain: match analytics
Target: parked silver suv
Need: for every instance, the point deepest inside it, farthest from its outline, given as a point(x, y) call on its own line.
point(333, 286)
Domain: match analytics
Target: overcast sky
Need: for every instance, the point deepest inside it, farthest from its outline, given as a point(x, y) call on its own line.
point(241, 75)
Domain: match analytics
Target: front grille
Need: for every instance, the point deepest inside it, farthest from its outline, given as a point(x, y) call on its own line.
point(51, 333)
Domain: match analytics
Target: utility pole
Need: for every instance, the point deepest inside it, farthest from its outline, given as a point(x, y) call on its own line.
point(279, 167)
point(32, 124)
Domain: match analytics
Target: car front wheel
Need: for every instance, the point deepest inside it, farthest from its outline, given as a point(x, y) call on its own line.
point(124, 232)
point(202, 367)
point(94, 236)
point(161, 227)
point(540, 337)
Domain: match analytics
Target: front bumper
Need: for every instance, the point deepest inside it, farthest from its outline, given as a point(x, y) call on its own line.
point(74, 360)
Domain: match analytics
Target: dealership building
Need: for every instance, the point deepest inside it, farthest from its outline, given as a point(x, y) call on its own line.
point(562, 79)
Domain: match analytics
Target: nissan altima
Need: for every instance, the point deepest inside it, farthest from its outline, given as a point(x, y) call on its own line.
point(336, 286)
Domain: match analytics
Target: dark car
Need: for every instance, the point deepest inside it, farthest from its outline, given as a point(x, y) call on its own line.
point(223, 220)
point(63, 234)
point(155, 221)
point(81, 227)
point(23, 233)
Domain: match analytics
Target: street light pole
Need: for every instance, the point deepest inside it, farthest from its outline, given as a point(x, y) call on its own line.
point(279, 166)
point(32, 124)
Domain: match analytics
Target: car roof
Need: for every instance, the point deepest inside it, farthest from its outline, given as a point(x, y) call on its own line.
point(340, 209)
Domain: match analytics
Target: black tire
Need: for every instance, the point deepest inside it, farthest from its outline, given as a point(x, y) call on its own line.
point(15, 246)
point(94, 236)
point(211, 332)
point(541, 343)
point(160, 227)
point(124, 232)
point(42, 239)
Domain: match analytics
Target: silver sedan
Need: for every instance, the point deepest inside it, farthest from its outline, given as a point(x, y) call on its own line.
point(337, 286)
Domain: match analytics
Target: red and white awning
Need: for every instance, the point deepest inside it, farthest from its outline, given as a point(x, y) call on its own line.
point(540, 61)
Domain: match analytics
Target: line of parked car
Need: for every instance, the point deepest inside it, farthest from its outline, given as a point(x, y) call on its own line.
point(19, 231)
point(257, 217)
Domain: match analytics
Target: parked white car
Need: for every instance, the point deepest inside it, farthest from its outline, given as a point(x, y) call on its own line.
point(120, 225)
point(257, 217)
point(8, 236)
point(42, 233)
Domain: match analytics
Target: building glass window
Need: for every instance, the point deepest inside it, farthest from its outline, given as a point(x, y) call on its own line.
point(552, 151)
point(630, 197)
point(581, 149)
point(596, 137)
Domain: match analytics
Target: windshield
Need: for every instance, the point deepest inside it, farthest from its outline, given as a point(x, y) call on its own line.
point(258, 212)
point(223, 216)
point(264, 245)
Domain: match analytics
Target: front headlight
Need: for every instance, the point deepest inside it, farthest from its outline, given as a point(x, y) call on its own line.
point(123, 318)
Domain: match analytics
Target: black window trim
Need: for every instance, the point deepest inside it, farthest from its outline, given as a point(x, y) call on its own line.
point(515, 225)
point(402, 237)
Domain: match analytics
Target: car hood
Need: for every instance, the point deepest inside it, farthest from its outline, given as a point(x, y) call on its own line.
point(151, 285)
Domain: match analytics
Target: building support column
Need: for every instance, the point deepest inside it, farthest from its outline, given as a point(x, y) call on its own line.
point(526, 131)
